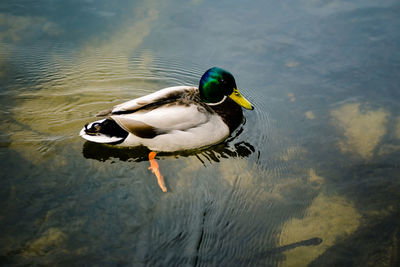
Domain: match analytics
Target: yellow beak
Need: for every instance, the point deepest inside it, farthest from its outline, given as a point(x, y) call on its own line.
point(238, 98)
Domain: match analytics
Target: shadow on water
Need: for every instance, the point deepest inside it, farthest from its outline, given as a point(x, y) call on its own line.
point(379, 240)
point(278, 250)
point(270, 252)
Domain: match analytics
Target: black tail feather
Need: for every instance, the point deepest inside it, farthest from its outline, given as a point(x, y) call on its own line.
point(107, 127)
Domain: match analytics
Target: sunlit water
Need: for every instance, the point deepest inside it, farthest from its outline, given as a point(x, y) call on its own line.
point(312, 176)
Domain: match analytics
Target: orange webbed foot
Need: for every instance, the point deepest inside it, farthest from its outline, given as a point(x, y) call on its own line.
point(155, 169)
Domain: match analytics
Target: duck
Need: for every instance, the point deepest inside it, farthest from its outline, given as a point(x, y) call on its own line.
point(175, 118)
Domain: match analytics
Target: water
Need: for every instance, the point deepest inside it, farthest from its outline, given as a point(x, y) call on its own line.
point(310, 178)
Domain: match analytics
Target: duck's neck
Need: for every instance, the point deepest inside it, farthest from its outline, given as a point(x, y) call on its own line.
point(218, 103)
point(230, 112)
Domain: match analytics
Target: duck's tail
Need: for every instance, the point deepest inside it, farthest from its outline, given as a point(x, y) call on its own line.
point(105, 131)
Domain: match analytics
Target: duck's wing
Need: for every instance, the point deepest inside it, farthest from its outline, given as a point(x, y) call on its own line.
point(148, 123)
point(157, 98)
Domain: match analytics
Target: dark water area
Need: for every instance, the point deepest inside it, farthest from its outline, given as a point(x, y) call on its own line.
point(311, 178)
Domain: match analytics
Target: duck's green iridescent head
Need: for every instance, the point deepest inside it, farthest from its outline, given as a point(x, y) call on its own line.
point(216, 84)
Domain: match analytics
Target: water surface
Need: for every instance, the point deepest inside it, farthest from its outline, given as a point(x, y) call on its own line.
point(312, 176)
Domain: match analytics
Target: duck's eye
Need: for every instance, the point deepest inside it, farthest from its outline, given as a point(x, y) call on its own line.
point(237, 94)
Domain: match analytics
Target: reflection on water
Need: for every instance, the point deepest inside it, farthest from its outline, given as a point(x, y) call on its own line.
point(19, 28)
point(311, 178)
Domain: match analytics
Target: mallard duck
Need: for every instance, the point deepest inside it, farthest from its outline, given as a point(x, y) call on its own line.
point(175, 118)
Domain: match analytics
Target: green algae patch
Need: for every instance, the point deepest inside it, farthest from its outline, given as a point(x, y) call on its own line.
point(49, 241)
point(362, 129)
point(329, 218)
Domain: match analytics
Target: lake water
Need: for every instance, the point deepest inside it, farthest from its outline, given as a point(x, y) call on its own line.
point(312, 178)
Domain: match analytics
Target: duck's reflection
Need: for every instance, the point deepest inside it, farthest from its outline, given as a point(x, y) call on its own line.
point(214, 153)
